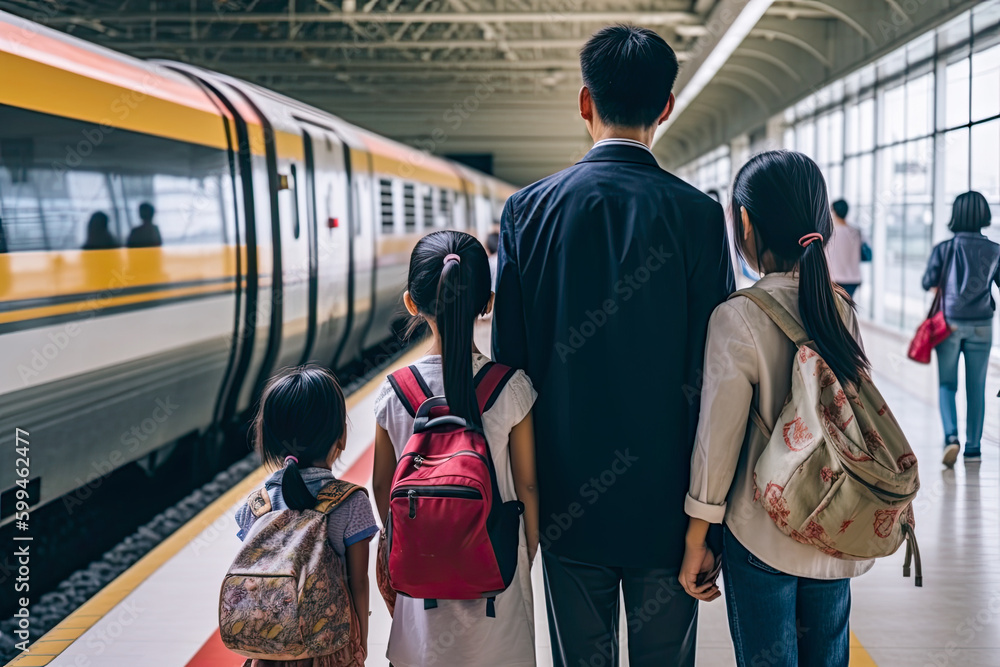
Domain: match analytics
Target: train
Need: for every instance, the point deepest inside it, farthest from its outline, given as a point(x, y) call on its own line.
point(170, 237)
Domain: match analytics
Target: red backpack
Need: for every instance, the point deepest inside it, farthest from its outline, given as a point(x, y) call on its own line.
point(450, 536)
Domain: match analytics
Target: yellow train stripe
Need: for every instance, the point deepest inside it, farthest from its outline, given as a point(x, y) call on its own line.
point(50, 47)
point(33, 85)
point(289, 146)
point(504, 190)
point(37, 275)
point(417, 167)
point(43, 651)
point(398, 244)
point(98, 304)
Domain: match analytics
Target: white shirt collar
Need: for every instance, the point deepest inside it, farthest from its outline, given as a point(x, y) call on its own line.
point(622, 141)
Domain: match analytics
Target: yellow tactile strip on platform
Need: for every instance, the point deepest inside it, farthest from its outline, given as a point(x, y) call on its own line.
point(59, 638)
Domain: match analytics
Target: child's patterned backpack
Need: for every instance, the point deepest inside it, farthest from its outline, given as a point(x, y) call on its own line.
point(837, 472)
point(286, 596)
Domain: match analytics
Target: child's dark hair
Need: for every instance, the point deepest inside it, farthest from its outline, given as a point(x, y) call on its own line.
point(449, 281)
point(784, 195)
point(302, 415)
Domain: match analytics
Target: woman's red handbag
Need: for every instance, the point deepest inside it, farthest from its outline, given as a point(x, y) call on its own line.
point(931, 332)
point(935, 329)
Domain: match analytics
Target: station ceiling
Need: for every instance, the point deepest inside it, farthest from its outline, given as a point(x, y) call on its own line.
point(500, 77)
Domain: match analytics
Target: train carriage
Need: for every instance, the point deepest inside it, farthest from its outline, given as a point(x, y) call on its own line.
point(171, 236)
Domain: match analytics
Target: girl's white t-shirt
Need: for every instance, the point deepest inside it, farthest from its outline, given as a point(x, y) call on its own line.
point(458, 632)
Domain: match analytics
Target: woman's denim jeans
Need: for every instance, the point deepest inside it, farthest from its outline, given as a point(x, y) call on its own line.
point(779, 620)
point(973, 340)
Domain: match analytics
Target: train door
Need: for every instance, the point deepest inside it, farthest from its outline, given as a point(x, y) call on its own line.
point(363, 193)
point(327, 188)
point(253, 339)
point(296, 244)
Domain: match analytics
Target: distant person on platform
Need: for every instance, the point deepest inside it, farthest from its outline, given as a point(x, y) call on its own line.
point(146, 235)
point(99, 237)
point(608, 272)
point(844, 249)
point(966, 266)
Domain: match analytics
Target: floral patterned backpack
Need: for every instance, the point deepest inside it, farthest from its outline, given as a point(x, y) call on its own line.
point(286, 596)
point(837, 472)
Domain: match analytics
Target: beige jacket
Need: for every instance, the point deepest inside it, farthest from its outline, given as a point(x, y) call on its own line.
point(749, 360)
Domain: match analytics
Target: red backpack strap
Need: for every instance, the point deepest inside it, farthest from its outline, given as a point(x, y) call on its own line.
point(410, 388)
point(490, 381)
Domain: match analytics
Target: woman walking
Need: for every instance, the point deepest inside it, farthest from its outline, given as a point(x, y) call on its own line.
point(967, 266)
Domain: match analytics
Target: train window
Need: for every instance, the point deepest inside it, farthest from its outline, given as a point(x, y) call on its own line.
point(409, 207)
point(445, 208)
point(66, 184)
point(385, 191)
point(428, 202)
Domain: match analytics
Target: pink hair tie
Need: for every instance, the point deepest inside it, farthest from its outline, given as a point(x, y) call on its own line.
point(809, 238)
point(452, 256)
point(291, 458)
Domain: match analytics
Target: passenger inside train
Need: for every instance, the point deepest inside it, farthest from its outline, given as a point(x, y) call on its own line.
point(146, 234)
point(99, 237)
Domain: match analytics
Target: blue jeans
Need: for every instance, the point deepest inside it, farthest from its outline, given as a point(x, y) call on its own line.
point(973, 340)
point(779, 620)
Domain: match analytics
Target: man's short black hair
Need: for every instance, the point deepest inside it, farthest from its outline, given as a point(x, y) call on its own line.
point(970, 213)
point(841, 208)
point(146, 211)
point(629, 72)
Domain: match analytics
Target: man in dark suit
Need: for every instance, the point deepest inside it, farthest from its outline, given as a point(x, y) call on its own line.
point(608, 272)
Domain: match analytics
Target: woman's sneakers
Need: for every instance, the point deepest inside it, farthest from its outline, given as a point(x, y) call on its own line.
point(951, 450)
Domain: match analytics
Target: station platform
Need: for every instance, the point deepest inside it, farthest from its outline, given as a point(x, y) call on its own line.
point(162, 612)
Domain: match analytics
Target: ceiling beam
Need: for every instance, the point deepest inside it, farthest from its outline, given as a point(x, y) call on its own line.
point(728, 25)
point(167, 45)
point(496, 66)
point(646, 18)
point(454, 79)
point(772, 34)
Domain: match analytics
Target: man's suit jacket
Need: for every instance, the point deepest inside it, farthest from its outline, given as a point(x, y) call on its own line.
point(608, 273)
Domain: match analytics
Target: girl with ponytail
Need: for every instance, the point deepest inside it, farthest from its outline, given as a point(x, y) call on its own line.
point(774, 585)
point(300, 431)
point(448, 289)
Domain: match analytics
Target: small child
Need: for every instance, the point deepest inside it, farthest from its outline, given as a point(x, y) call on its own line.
point(449, 288)
point(301, 428)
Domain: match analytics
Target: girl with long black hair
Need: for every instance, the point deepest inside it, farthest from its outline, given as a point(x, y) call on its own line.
point(787, 601)
point(448, 288)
